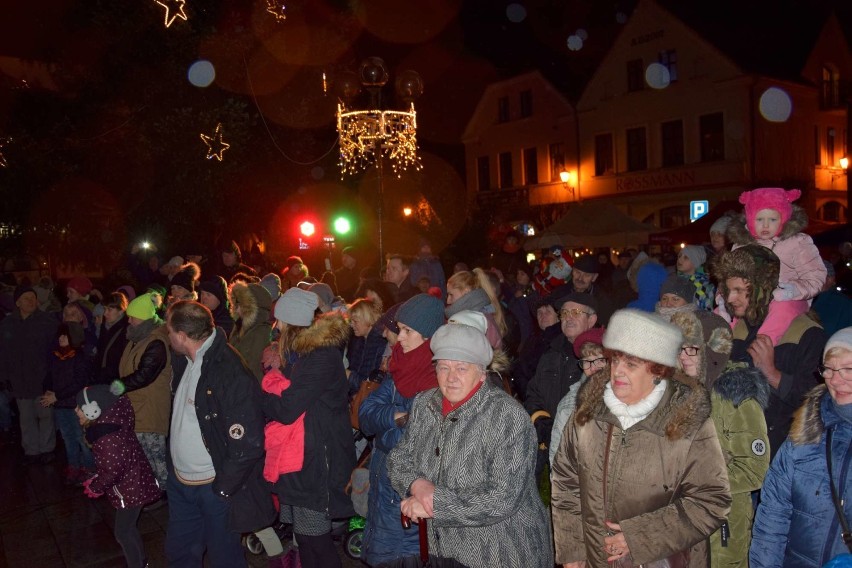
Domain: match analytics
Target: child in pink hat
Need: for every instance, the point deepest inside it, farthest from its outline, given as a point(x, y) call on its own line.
point(773, 221)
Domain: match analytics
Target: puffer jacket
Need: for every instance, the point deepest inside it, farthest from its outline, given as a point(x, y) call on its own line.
point(801, 263)
point(796, 522)
point(252, 332)
point(481, 457)
point(666, 478)
point(124, 473)
point(318, 389)
point(384, 538)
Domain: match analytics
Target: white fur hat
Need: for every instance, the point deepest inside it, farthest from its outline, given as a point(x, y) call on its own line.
point(644, 335)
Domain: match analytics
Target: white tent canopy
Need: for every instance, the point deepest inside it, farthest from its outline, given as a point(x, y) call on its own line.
point(595, 224)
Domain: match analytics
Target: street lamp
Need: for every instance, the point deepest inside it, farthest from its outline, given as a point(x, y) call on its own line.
point(369, 135)
point(567, 181)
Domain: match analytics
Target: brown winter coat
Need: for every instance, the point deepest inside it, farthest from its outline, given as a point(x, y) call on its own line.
point(152, 403)
point(667, 478)
point(252, 333)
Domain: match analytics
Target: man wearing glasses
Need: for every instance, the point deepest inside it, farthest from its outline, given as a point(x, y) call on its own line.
point(557, 369)
point(747, 278)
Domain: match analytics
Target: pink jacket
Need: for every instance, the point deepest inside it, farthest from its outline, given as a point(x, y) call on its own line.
point(285, 443)
point(801, 266)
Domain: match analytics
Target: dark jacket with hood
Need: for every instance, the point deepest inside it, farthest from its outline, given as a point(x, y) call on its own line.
point(318, 388)
point(111, 343)
point(25, 346)
point(557, 370)
point(523, 368)
point(222, 314)
point(796, 522)
point(228, 407)
point(124, 473)
point(252, 332)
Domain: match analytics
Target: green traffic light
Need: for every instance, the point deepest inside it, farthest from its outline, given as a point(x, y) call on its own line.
point(342, 225)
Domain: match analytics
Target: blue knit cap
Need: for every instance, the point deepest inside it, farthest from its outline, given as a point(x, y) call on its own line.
point(422, 313)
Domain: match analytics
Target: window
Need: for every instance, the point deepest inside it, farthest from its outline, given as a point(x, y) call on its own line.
point(674, 217)
point(637, 152)
point(831, 211)
point(505, 169)
point(526, 103)
point(817, 153)
point(672, 134)
point(635, 75)
point(712, 134)
point(483, 173)
point(503, 109)
point(668, 59)
point(830, 92)
point(830, 136)
point(603, 155)
point(557, 161)
point(530, 166)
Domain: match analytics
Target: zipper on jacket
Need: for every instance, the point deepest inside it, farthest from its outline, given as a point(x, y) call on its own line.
point(120, 496)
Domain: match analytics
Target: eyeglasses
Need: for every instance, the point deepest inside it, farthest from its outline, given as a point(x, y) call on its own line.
point(587, 364)
point(690, 350)
point(828, 372)
point(573, 312)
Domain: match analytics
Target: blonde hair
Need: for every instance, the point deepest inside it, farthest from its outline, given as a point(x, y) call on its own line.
point(288, 336)
point(366, 309)
point(466, 280)
point(836, 351)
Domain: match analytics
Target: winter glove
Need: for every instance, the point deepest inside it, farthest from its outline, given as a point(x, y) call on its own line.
point(784, 292)
point(543, 428)
point(87, 490)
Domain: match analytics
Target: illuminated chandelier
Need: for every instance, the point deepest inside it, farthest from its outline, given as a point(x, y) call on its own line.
point(371, 133)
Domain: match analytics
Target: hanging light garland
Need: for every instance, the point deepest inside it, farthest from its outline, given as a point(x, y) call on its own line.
point(215, 145)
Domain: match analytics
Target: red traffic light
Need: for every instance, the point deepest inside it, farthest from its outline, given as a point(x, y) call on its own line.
point(307, 229)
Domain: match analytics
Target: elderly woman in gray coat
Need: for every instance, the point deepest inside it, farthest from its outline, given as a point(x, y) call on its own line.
point(466, 463)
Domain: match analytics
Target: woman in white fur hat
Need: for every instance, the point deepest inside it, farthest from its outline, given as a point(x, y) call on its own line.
point(660, 486)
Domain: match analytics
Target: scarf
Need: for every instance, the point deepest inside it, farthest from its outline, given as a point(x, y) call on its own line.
point(412, 372)
point(476, 300)
point(667, 313)
point(630, 414)
point(843, 410)
point(143, 330)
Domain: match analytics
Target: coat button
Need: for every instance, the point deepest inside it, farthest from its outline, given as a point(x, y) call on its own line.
point(207, 417)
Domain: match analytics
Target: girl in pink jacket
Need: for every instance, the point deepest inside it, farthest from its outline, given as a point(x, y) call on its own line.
point(773, 221)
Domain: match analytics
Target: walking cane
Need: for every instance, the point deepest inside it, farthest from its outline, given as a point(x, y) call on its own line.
point(424, 538)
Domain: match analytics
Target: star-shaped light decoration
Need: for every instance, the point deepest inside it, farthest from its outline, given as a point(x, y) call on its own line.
point(3, 142)
point(276, 8)
point(215, 145)
point(174, 10)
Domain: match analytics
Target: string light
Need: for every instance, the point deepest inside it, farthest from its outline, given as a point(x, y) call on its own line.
point(215, 145)
point(366, 134)
point(3, 162)
point(174, 10)
point(276, 8)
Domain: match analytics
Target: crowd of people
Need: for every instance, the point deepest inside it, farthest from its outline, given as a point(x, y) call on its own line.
point(582, 409)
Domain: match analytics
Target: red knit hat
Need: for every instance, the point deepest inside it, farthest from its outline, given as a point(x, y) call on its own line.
point(80, 283)
point(775, 198)
point(594, 335)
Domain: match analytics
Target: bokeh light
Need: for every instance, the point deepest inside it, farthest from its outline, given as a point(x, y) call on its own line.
point(657, 76)
point(575, 42)
point(582, 34)
point(516, 13)
point(775, 105)
point(201, 73)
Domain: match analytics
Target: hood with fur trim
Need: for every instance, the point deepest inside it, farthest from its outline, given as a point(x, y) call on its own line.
point(807, 425)
point(714, 339)
point(682, 415)
point(739, 234)
point(739, 384)
point(327, 330)
point(254, 302)
point(756, 264)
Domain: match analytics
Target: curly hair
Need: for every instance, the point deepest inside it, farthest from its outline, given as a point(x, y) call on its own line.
point(759, 267)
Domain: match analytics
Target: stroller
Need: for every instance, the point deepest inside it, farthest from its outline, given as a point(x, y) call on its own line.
point(358, 488)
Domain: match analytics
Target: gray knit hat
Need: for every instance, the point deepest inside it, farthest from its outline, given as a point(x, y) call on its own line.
point(459, 342)
point(679, 286)
point(841, 338)
point(696, 254)
point(422, 313)
point(296, 307)
point(720, 225)
point(644, 335)
point(325, 294)
point(272, 283)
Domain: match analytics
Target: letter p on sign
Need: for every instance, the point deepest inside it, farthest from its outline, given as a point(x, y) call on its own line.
point(698, 209)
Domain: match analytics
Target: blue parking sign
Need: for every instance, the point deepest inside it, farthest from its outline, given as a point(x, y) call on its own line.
point(698, 209)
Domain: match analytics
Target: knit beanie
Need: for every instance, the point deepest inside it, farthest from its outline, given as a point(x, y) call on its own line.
point(471, 318)
point(388, 319)
point(644, 335)
point(128, 292)
point(272, 283)
point(696, 254)
point(775, 198)
point(95, 400)
point(422, 313)
point(80, 283)
point(842, 338)
point(296, 307)
point(720, 225)
point(218, 287)
point(142, 308)
point(594, 335)
point(325, 294)
point(456, 342)
point(21, 290)
point(679, 286)
point(183, 280)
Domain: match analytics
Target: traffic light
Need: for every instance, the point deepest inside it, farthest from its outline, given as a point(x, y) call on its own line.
point(342, 225)
point(307, 229)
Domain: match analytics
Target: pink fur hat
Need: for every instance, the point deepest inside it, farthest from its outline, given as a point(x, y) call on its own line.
point(775, 198)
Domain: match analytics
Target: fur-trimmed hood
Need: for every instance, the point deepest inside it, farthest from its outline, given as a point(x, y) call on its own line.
point(808, 424)
point(254, 302)
point(714, 339)
point(739, 384)
point(680, 413)
point(739, 234)
point(327, 330)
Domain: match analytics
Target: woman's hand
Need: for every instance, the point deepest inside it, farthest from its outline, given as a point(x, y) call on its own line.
point(616, 545)
point(423, 491)
point(48, 399)
point(413, 509)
